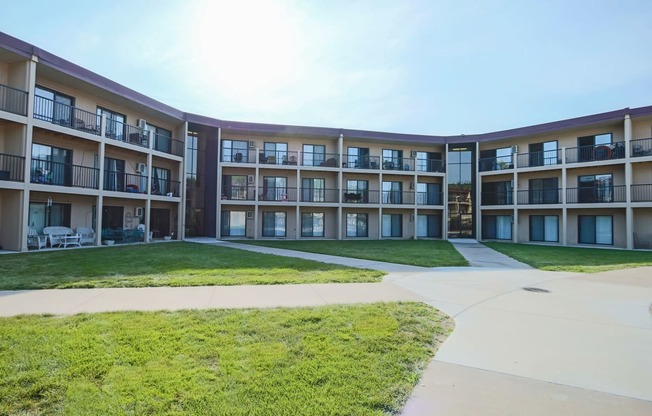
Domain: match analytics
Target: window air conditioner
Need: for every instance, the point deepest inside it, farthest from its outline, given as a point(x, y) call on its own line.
point(250, 178)
point(252, 144)
point(413, 153)
point(250, 214)
point(141, 168)
point(514, 149)
point(142, 123)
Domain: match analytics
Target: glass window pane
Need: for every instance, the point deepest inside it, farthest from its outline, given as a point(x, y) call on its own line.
point(603, 229)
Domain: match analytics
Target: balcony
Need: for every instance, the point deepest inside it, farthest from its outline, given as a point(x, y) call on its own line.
point(117, 181)
point(641, 147)
point(595, 152)
point(596, 194)
point(488, 164)
point(430, 165)
point(67, 116)
point(239, 193)
point(12, 168)
point(497, 198)
point(168, 145)
point(279, 194)
point(116, 130)
point(319, 195)
point(165, 187)
point(539, 196)
point(361, 162)
point(360, 196)
point(398, 197)
point(289, 158)
point(543, 158)
point(398, 163)
point(238, 155)
point(13, 100)
point(64, 174)
point(429, 198)
point(641, 193)
point(327, 160)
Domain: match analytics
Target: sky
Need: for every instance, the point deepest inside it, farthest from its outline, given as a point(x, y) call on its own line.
point(408, 66)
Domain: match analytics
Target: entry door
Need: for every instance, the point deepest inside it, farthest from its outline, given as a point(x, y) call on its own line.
point(160, 222)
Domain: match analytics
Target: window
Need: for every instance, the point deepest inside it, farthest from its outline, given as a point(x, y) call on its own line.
point(53, 106)
point(41, 215)
point(595, 229)
point(497, 193)
point(161, 181)
point(595, 188)
point(392, 225)
point(593, 147)
point(356, 191)
point(191, 160)
point(544, 228)
point(543, 191)
point(428, 226)
point(497, 227)
point(358, 157)
point(544, 153)
point(162, 138)
point(314, 154)
point(275, 153)
point(275, 188)
point(429, 162)
point(428, 193)
point(312, 224)
point(235, 187)
point(274, 224)
point(115, 123)
point(114, 175)
point(392, 192)
point(51, 165)
point(392, 159)
point(312, 189)
point(235, 151)
point(496, 159)
point(356, 225)
point(234, 223)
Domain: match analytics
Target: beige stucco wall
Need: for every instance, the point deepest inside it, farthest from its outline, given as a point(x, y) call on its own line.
point(642, 128)
point(523, 229)
point(18, 75)
point(524, 178)
point(643, 224)
point(618, 223)
point(330, 221)
point(618, 172)
point(83, 151)
point(4, 73)
point(12, 138)
point(290, 220)
point(11, 203)
point(642, 173)
point(372, 225)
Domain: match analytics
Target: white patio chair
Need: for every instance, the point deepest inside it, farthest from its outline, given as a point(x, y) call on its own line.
point(35, 240)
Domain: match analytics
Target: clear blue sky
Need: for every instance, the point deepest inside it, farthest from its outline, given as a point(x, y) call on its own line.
point(429, 67)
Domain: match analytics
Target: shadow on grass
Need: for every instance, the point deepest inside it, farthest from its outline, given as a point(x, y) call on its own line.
point(169, 264)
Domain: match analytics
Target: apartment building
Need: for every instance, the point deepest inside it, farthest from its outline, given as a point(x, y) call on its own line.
point(79, 150)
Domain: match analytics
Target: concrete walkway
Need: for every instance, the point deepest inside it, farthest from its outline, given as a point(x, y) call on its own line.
point(578, 344)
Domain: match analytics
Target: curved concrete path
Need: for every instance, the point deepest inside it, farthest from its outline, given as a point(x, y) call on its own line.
point(583, 346)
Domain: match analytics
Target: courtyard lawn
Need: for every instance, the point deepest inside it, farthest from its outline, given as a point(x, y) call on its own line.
point(165, 264)
point(573, 259)
point(426, 253)
point(362, 359)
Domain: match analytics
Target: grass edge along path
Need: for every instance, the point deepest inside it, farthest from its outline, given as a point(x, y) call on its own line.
point(424, 253)
point(573, 259)
point(360, 359)
point(166, 264)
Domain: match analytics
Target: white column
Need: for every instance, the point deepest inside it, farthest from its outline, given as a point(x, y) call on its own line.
point(564, 214)
point(98, 219)
point(515, 202)
point(218, 193)
point(182, 191)
point(629, 211)
point(340, 185)
point(444, 219)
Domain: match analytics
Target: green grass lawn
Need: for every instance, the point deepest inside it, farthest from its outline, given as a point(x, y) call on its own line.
point(426, 253)
point(362, 359)
point(573, 259)
point(168, 264)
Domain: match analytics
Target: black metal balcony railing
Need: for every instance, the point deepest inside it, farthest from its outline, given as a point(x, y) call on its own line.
point(496, 163)
point(430, 165)
point(238, 155)
point(641, 193)
point(429, 198)
point(596, 194)
point(239, 193)
point(595, 152)
point(497, 198)
point(280, 194)
point(168, 145)
point(539, 196)
point(165, 187)
point(327, 160)
point(641, 147)
point(13, 100)
point(267, 157)
point(360, 197)
point(65, 115)
point(63, 174)
point(543, 158)
point(361, 162)
point(398, 197)
point(398, 163)
point(319, 195)
point(126, 133)
point(12, 168)
point(124, 182)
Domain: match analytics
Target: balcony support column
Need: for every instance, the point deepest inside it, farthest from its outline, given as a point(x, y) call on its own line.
point(515, 218)
point(564, 200)
point(340, 185)
point(99, 203)
point(629, 212)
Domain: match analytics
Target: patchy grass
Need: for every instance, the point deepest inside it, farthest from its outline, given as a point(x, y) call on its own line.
point(573, 259)
point(168, 264)
point(426, 253)
point(361, 359)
